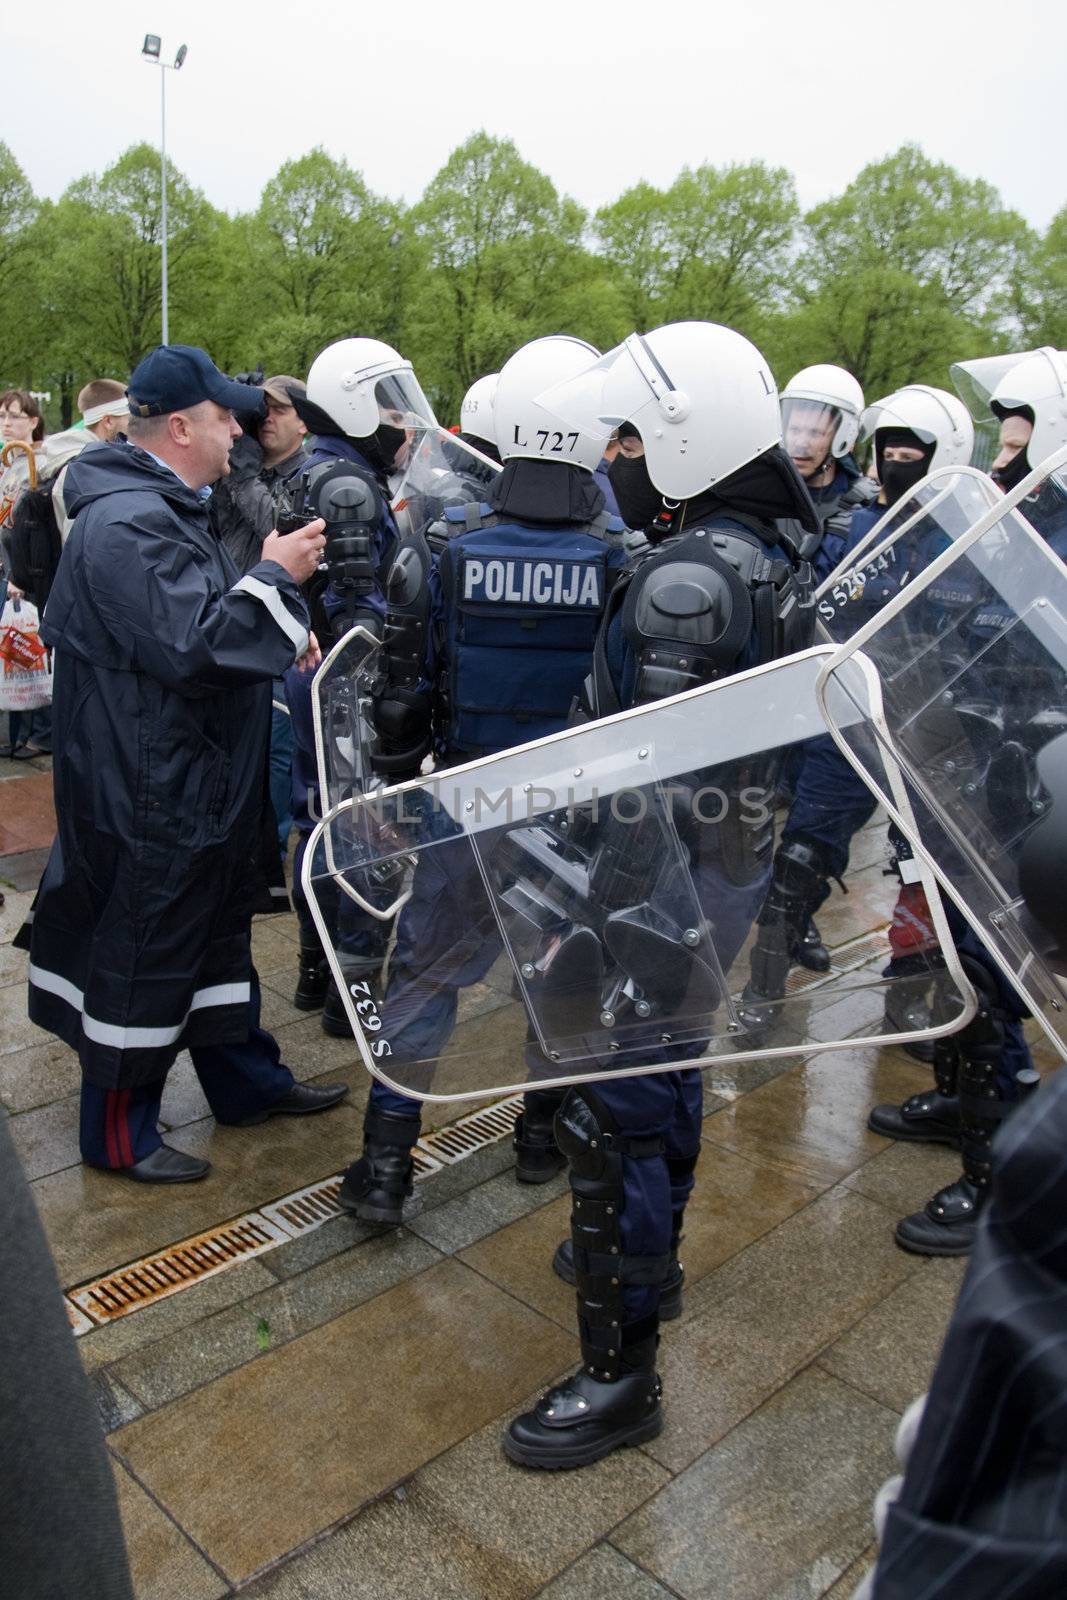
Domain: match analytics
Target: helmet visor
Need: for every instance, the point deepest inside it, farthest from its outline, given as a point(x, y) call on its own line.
point(401, 402)
point(975, 381)
point(579, 402)
point(623, 384)
point(441, 472)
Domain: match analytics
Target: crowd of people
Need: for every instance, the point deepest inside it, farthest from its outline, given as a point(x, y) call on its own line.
point(627, 526)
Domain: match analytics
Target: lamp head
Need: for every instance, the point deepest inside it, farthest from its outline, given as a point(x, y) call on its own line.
point(151, 46)
point(183, 51)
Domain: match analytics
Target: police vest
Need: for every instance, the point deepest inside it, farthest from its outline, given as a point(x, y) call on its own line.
point(521, 610)
point(707, 603)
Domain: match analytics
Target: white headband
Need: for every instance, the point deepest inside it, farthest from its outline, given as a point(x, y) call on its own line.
point(110, 408)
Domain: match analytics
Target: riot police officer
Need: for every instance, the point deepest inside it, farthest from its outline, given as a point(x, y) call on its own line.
point(914, 430)
point(721, 590)
point(501, 669)
point(978, 1072)
point(1030, 403)
point(476, 415)
point(363, 406)
point(821, 409)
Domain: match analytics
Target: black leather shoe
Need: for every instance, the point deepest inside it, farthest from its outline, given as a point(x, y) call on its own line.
point(670, 1295)
point(926, 1118)
point(947, 1224)
point(165, 1165)
point(585, 1419)
point(302, 1100)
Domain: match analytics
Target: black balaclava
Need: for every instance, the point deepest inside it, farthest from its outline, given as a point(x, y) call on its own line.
point(898, 478)
point(1019, 466)
point(382, 445)
point(546, 491)
point(637, 497)
point(768, 488)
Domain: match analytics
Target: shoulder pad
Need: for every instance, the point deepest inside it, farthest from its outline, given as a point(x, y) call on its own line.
point(467, 517)
point(456, 520)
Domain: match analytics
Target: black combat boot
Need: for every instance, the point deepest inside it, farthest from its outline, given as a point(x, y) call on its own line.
point(810, 952)
point(313, 976)
point(947, 1224)
point(537, 1156)
point(614, 1399)
point(376, 1186)
point(589, 1415)
point(361, 974)
point(799, 885)
point(933, 1115)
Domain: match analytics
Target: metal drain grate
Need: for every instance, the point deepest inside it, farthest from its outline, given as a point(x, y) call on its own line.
point(457, 1140)
point(800, 979)
point(308, 1208)
point(164, 1273)
point(144, 1282)
point(870, 947)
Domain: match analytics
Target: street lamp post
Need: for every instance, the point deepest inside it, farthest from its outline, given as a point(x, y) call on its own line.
point(151, 50)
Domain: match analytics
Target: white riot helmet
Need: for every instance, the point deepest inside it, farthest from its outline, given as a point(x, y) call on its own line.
point(476, 412)
point(1037, 383)
point(821, 408)
point(361, 383)
point(700, 395)
point(524, 428)
point(934, 416)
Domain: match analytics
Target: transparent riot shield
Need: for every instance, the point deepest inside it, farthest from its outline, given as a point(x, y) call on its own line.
point(588, 904)
point(971, 658)
point(940, 509)
point(340, 695)
point(441, 474)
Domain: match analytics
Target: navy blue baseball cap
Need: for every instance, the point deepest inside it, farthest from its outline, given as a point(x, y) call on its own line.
point(174, 376)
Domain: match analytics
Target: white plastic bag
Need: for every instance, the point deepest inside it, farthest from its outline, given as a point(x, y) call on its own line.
point(25, 664)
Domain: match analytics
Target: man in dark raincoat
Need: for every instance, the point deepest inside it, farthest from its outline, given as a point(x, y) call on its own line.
point(164, 656)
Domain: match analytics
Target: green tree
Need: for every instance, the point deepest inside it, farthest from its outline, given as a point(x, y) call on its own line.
point(714, 246)
point(504, 262)
point(317, 260)
point(1039, 289)
point(18, 261)
point(109, 231)
point(910, 268)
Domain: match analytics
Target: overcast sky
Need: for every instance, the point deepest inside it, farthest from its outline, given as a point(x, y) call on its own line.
point(596, 96)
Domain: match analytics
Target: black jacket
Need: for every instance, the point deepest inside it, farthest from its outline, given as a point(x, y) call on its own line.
point(161, 713)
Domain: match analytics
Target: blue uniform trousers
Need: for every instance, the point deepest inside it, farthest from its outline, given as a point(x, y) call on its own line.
point(831, 802)
point(118, 1127)
point(655, 1188)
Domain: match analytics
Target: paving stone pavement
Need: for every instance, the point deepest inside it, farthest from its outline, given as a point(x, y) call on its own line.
point(323, 1422)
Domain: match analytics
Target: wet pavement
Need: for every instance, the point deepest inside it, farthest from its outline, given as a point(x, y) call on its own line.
point(324, 1420)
